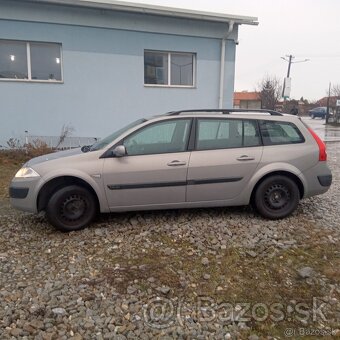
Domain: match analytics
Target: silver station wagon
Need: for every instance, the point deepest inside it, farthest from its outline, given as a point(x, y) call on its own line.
point(182, 159)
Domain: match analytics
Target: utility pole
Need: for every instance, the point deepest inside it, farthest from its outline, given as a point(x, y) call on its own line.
point(289, 59)
point(289, 65)
point(329, 94)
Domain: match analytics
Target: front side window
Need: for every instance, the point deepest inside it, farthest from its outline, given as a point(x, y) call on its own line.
point(162, 137)
point(30, 61)
point(274, 133)
point(226, 133)
point(109, 139)
point(169, 68)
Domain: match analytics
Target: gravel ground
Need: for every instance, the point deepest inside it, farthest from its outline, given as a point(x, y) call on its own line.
point(138, 275)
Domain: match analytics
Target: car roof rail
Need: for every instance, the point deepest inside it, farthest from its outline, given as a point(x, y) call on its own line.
point(225, 111)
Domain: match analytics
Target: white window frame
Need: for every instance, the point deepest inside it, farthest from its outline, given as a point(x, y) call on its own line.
point(29, 65)
point(169, 53)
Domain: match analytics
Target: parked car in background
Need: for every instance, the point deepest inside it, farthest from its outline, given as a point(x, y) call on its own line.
point(183, 159)
point(318, 112)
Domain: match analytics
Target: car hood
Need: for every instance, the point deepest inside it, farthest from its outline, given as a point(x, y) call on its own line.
point(54, 155)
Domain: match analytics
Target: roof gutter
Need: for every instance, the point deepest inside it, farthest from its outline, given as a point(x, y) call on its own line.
point(222, 67)
point(153, 10)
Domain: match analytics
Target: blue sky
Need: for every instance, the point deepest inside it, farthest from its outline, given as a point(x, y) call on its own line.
point(306, 29)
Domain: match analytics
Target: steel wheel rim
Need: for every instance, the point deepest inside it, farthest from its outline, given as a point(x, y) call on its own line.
point(277, 197)
point(72, 208)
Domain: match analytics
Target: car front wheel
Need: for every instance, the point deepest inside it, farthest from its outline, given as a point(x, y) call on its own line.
point(312, 116)
point(71, 208)
point(276, 197)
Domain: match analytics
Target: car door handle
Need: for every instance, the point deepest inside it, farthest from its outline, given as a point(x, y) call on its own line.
point(245, 158)
point(176, 163)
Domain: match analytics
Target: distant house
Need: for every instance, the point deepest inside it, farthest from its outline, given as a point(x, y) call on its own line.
point(247, 100)
point(99, 64)
point(332, 101)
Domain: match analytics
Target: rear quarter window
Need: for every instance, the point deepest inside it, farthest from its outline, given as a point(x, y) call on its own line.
point(275, 133)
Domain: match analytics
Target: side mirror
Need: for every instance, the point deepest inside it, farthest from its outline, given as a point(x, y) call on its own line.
point(119, 151)
point(85, 148)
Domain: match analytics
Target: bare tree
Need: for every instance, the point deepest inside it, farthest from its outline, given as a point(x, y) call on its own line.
point(14, 144)
point(66, 131)
point(335, 90)
point(270, 90)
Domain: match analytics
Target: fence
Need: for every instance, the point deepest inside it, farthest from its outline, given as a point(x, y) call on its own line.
point(68, 143)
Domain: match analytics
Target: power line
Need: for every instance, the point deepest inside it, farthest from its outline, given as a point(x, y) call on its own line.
point(290, 62)
point(315, 56)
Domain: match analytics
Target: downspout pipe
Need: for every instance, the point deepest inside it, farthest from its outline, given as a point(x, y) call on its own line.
point(223, 45)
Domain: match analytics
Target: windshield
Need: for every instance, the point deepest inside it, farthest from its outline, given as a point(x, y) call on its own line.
point(109, 139)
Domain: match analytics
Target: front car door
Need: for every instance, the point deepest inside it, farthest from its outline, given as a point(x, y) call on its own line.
point(226, 155)
point(154, 170)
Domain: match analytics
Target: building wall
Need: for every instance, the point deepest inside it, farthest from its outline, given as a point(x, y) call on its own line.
point(103, 71)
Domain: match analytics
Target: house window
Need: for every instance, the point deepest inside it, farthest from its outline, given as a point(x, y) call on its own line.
point(13, 60)
point(169, 68)
point(30, 61)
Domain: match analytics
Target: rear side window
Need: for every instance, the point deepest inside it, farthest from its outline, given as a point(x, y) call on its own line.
point(226, 133)
point(274, 133)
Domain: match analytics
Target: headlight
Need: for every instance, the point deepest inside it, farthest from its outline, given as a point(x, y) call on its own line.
point(26, 173)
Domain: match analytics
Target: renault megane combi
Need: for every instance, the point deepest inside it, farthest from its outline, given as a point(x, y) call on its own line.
point(183, 159)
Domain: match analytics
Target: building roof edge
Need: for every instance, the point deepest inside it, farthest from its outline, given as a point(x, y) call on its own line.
point(155, 10)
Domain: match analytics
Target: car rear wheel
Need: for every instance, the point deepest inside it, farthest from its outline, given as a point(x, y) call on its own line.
point(276, 197)
point(71, 208)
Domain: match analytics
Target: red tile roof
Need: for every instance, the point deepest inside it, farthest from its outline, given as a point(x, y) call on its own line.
point(323, 101)
point(245, 96)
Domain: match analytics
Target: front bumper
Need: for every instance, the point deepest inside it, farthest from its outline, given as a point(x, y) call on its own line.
point(18, 192)
point(23, 194)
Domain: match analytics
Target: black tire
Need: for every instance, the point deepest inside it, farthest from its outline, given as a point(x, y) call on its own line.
point(312, 116)
point(71, 208)
point(276, 197)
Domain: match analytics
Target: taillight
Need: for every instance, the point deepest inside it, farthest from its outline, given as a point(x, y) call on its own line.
point(321, 144)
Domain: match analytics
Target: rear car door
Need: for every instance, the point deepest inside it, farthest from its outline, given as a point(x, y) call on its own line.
point(227, 153)
point(154, 170)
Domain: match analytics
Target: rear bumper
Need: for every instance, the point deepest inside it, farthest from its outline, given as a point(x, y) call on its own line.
point(325, 180)
point(317, 180)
